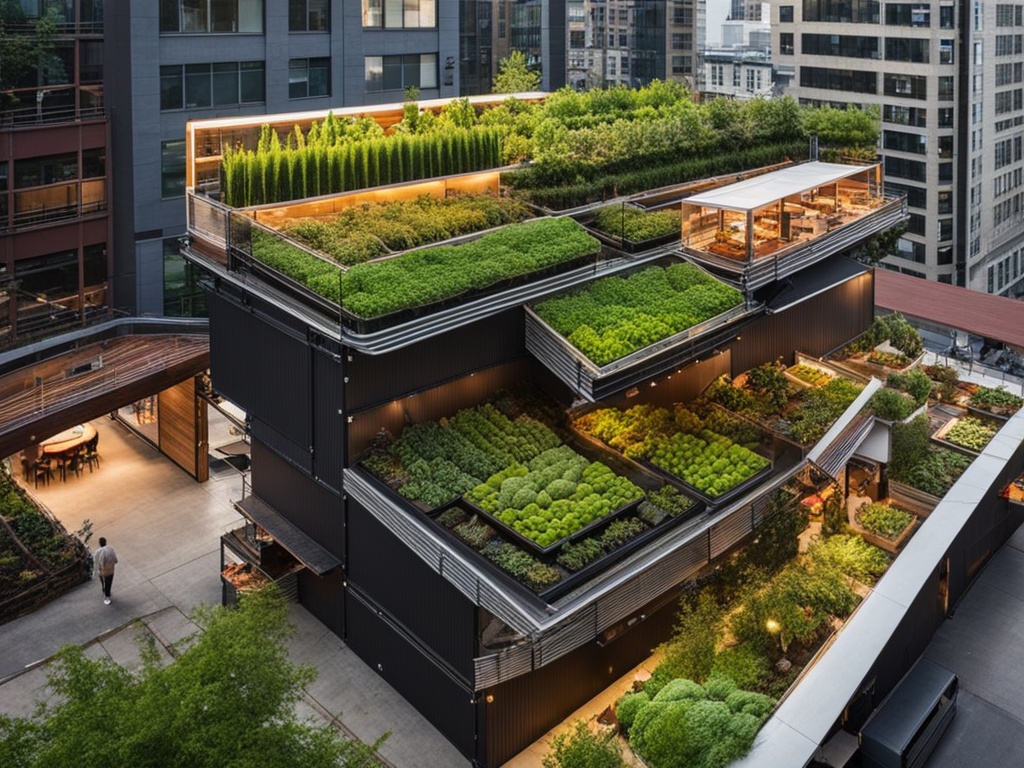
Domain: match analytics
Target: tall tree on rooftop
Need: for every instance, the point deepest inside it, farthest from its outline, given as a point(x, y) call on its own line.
point(515, 76)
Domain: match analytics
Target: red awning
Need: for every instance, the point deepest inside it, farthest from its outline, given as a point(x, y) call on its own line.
point(991, 317)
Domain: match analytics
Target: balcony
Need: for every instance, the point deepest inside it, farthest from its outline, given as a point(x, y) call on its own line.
point(765, 229)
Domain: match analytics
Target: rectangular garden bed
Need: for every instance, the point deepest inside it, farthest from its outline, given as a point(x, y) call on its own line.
point(649, 466)
point(889, 544)
point(532, 546)
point(976, 429)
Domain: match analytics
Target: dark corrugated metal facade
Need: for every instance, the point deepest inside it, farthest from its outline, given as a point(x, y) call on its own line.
point(816, 326)
point(435, 611)
point(439, 698)
point(525, 708)
point(324, 597)
point(241, 351)
point(314, 509)
point(328, 418)
point(375, 379)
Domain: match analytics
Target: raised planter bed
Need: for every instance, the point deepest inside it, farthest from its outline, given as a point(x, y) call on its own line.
point(942, 436)
point(911, 499)
point(532, 546)
point(649, 466)
point(889, 544)
point(572, 316)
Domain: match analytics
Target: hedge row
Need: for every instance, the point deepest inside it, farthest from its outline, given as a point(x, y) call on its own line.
point(275, 174)
point(657, 175)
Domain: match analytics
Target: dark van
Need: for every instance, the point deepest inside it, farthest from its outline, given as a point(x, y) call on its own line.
point(907, 725)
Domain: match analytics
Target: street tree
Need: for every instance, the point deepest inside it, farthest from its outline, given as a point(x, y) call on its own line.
point(227, 701)
point(514, 75)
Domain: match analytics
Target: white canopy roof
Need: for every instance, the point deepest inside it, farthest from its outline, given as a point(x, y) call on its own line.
point(760, 191)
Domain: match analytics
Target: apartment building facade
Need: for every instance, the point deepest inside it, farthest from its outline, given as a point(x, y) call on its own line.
point(947, 80)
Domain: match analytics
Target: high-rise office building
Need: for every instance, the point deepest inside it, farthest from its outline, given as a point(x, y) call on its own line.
point(491, 29)
point(54, 182)
point(177, 60)
point(633, 42)
point(946, 79)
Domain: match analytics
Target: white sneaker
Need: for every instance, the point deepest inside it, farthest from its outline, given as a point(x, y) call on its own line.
point(106, 601)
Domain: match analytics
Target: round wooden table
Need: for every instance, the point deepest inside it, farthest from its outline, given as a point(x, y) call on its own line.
point(67, 440)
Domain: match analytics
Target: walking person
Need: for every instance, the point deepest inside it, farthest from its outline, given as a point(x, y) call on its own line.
point(104, 559)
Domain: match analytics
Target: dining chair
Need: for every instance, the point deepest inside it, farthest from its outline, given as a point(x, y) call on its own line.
point(90, 453)
point(43, 470)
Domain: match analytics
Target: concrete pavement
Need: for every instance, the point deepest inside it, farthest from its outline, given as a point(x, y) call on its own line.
point(166, 530)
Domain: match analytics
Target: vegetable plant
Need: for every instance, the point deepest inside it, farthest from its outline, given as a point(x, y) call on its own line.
point(820, 407)
point(636, 225)
point(421, 277)
point(557, 494)
point(615, 316)
point(809, 374)
point(996, 399)
point(884, 520)
point(972, 433)
point(676, 441)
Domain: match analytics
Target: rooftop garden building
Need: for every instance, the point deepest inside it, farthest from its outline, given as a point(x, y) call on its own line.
point(438, 467)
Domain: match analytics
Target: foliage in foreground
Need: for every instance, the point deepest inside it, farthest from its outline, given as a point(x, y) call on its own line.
point(226, 701)
point(582, 748)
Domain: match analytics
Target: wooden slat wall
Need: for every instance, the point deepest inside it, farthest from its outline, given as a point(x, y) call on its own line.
point(180, 421)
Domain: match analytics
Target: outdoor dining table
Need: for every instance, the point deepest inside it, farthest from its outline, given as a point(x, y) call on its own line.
point(67, 440)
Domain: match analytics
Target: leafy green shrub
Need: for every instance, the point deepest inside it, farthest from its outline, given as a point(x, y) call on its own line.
point(422, 277)
point(995, 398)
point(915, 383)
point(706, 727)
point(741, 664)
point(582, 748)
point(935, 472)
point(690, 652)
point(615, 316)
point(769, 384)
point(893, 328)
point(637, 225)
point(681, 690)
point(891, 405)
point(820, 407)
point(627, 707)
point(850, 555)
point(910, 445)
